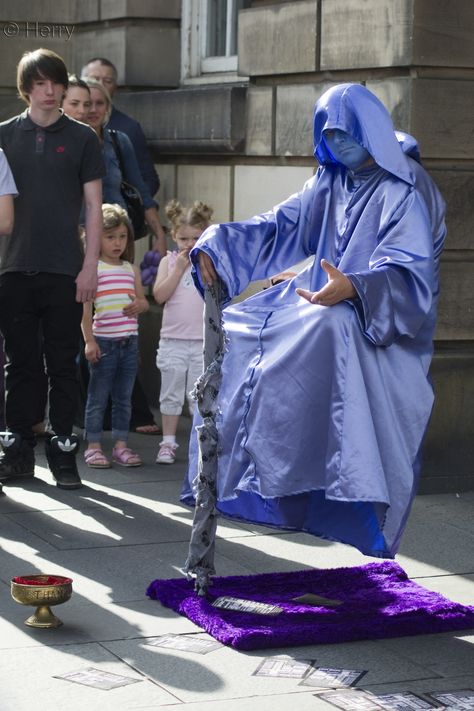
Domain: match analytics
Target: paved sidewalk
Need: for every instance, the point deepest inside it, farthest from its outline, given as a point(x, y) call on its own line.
point(126, 528)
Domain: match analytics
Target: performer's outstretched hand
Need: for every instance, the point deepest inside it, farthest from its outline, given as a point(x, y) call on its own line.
point(338, 288)
point(206, 267)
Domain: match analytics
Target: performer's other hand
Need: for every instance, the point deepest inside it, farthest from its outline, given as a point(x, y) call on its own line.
point(206, 267)
point(338, 288)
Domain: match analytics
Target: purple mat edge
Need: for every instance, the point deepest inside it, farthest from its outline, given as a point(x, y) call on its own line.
point(434, 613)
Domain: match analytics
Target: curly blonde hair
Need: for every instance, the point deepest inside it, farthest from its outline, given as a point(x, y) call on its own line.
point(198, 215)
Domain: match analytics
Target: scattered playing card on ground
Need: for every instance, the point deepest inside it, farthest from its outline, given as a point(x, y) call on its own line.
point(284, 667)
point(97, 678)
point(241, 605)
point(351, 700)
point(404, 701)
point(185, 643)
point(333, 678)
point(459, 700)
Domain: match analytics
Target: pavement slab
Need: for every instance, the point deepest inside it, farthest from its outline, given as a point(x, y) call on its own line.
point(459, 588)
point(143, 618)
point(38, 687)
point(182, 675)
point(281, 702)
point(446, 655)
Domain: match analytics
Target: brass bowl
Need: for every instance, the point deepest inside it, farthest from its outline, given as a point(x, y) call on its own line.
point(42, 596)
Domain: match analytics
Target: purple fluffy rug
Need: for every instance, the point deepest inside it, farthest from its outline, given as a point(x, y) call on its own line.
point(371, 601)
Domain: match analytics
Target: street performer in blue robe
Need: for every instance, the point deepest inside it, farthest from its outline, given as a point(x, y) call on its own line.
point(325, 395)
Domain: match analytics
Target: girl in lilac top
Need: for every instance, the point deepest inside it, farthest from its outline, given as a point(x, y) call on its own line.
point(179, 355)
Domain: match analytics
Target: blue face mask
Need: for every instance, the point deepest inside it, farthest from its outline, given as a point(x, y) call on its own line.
point(345, 149)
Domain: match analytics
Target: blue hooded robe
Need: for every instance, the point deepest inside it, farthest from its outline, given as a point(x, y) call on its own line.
point(322, 410)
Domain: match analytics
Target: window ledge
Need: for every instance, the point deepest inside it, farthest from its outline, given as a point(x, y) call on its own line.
point(215, 78)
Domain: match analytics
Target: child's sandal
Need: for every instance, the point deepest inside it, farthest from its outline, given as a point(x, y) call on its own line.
point(126, 457)
point(96, 459)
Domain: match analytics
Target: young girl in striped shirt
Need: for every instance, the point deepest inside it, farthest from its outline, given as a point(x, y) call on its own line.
point(110, 328)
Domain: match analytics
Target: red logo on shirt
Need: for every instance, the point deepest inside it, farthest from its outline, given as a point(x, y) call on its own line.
point(60, 149)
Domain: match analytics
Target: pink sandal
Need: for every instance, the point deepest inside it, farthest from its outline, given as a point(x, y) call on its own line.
point(126, 457)
point(96, 459)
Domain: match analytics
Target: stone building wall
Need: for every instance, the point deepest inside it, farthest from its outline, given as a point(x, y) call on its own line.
point(246, 145)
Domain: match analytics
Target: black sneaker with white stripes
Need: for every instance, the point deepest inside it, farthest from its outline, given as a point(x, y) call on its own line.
point(61, 453)
point(17, 458)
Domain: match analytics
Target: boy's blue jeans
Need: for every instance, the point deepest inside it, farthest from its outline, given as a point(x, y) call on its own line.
point(114, 376)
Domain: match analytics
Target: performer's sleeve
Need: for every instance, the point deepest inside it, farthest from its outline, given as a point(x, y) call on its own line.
point(261, 246)
point(395, 295)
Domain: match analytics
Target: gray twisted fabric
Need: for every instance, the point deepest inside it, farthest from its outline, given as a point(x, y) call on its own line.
point(200, 561)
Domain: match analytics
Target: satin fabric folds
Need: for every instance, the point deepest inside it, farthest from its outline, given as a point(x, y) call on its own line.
point(322, 410)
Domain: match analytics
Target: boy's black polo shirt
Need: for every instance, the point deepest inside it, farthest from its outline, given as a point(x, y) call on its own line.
point(50, 165)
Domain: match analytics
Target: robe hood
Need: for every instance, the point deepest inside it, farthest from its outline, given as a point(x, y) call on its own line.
point(354, 109)
point(409, 145)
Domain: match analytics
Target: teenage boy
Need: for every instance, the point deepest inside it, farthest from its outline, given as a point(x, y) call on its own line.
point(45, 277)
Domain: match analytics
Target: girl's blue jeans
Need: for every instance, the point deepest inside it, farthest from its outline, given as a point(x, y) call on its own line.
point(114, 376)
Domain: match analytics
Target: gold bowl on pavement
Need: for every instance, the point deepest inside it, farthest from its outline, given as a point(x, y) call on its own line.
point(41, 591)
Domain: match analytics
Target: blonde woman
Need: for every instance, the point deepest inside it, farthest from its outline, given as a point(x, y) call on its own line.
point(99, 112)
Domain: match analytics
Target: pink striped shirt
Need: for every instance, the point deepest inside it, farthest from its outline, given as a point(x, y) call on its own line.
point(115, 290)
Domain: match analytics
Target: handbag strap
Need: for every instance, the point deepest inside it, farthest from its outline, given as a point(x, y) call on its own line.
point(117, 149)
